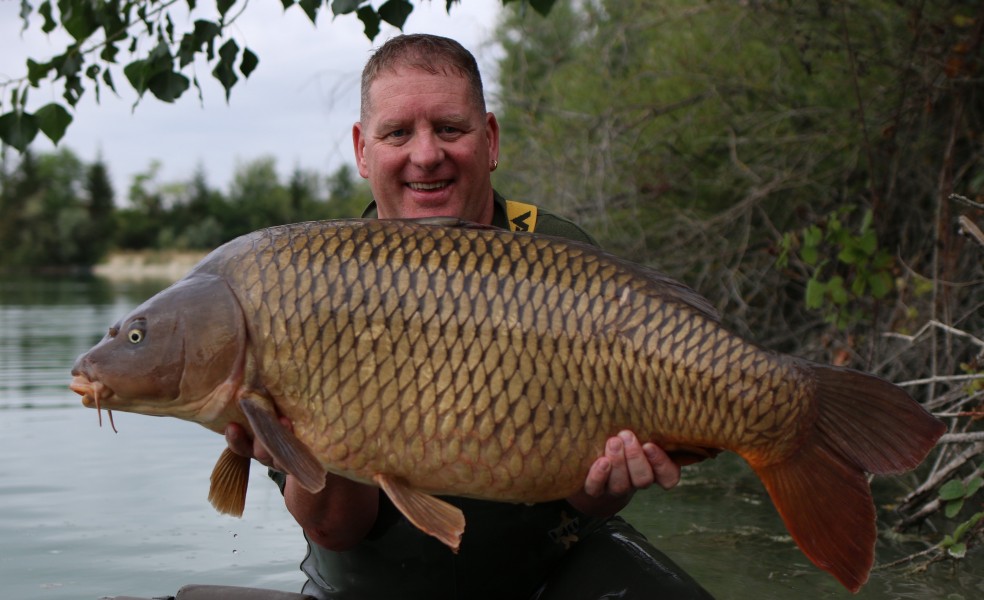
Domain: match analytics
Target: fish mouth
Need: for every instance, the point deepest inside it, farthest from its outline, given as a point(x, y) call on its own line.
point(93, 393)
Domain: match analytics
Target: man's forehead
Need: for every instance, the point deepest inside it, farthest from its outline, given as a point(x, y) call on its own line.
point(401, 87)
point(414, 70)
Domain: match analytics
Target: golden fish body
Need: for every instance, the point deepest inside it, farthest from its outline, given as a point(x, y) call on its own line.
point(461, 360)
point(473, 363)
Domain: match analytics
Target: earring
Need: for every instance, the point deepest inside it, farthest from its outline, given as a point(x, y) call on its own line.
point(495, 164)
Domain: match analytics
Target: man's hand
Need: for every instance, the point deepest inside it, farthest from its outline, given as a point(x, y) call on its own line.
point(627, 466)
point(241, 443)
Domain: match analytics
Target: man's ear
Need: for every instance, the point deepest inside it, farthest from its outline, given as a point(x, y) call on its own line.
point(492, 133)
point(359, 145)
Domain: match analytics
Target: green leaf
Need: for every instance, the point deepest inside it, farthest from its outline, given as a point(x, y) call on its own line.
point(224, 71)
point(343, 7)
point(78, 18)
point(25, 14)
point(951, 490)
point(53, 119)
point(809, 255)
point(192, 43)
point(958, 550)
point(835, 287)
point(867, 220)
point(49, 24)
point(953, 508)
point(310, 8)
point(287, 3)
point(249, 62)
point(109, 52)
point(168, 86)
point(67, 64)
point(542, 6)
point(814, 294)
point(224, 6)
point(858, 285)
point(881, 284)
point(974, 485)
point(370, 22)
point(108, 80)
point(18, 129)
point(964, 527)
point(37, 71)
point(395, 12)
point(869, 242)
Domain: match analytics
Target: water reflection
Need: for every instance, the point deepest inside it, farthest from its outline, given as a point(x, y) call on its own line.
point(45, 322)
point(88, 513)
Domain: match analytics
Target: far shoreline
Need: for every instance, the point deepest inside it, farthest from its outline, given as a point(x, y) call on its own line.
point(134, 265)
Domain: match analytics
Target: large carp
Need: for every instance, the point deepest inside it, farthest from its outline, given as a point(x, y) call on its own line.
point(441, 358)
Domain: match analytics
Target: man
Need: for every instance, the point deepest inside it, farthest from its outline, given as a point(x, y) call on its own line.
point(427, 146)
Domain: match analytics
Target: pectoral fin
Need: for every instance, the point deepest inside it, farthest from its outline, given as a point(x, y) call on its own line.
point(229, 479)
point(431, 515)
point(289, 452)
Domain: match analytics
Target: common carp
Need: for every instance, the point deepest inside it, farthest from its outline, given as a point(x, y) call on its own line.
point(443, 358)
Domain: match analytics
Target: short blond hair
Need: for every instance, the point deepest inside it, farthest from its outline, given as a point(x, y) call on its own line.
point(430, 53)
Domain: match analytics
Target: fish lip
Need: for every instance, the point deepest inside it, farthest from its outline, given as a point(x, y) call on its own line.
point(90, 390)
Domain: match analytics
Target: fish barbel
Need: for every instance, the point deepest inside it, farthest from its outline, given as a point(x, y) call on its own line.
point(443, 358)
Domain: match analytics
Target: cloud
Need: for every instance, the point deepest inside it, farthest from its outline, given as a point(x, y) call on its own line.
point(298, 106)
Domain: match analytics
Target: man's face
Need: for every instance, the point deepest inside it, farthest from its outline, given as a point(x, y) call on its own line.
point(426, 148)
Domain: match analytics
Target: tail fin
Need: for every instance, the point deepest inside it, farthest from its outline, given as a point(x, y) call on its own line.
point(864, 425)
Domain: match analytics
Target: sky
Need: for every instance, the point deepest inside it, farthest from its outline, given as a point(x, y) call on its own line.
point(297, 107)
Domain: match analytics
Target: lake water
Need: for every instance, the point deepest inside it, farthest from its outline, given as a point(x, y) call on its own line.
point(86, 513)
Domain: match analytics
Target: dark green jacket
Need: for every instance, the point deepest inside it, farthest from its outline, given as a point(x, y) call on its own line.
point(519, 216)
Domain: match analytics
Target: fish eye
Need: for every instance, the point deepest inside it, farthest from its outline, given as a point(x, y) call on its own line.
point(135, 335)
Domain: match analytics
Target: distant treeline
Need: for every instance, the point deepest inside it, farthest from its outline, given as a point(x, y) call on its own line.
point(58, 211)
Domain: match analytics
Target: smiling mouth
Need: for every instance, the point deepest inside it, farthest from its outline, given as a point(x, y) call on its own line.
point(427, 187)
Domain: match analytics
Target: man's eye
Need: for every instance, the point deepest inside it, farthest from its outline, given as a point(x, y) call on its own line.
point(397, 133)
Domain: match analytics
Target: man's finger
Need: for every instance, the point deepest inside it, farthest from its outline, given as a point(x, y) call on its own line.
point(619, 482)
point(637, 462)
point(238, 441)
point(666, 471)
point(597, 479)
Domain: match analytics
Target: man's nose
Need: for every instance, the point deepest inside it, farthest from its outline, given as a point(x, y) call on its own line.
point(427, 151)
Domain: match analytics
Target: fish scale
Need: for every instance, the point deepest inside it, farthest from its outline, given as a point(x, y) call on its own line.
point(442, 358)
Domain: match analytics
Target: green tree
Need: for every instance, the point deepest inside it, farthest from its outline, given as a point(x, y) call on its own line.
point(140, 223)
point(97, 237)
point(20, 184)
point(733, 128)
point(52, 209)
point(204, 212)
point(257, 199)
point(348, 195)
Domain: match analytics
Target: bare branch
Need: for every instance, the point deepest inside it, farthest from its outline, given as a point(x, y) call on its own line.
point(962, 438)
